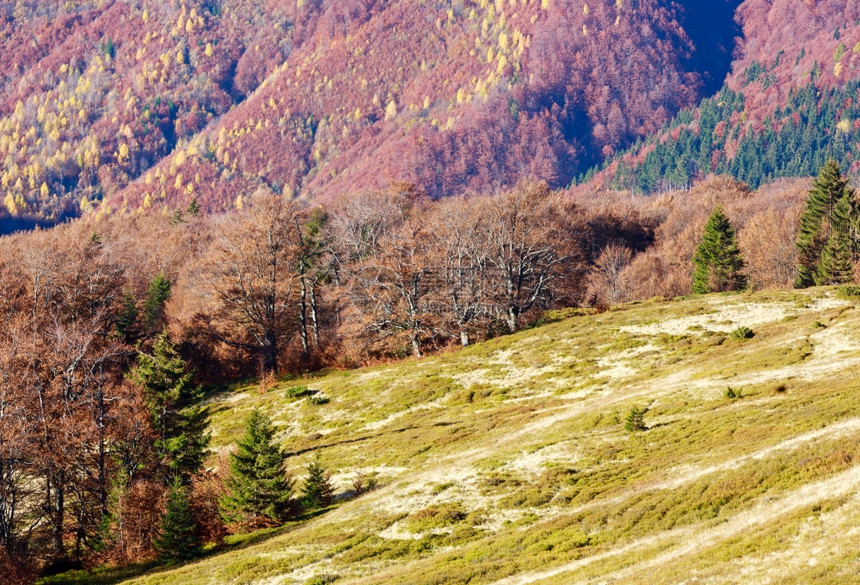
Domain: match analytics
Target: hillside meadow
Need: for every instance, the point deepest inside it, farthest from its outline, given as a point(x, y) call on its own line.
point(508, 462)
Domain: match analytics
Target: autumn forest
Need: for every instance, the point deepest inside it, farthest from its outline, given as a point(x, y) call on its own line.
point(197, 192)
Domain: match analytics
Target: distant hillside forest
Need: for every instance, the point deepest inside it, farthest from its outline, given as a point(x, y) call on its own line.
point(113, 106)
point(118, 106)
point(790, 103)
point(813, 126)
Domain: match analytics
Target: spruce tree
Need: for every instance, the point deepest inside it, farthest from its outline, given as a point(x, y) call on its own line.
point(636, 420)
point(317, 491)
point(127, 322)
point(836, 265)
point(193, 208)
point(258, 485)
point(156, 297)
point(175, 404)
point(718, 262)
point(823, 216)
point(177, 539)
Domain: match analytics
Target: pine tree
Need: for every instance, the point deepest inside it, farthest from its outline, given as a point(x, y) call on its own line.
point(258, 485)
point(636, 420)
point(177, 539)
point(317, 490)
point(836, 266)
point(718, 262)
point(127, 323)
point(178, 415)
point(818, 222)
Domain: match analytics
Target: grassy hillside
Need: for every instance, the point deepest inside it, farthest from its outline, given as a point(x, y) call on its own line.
point(509, 462)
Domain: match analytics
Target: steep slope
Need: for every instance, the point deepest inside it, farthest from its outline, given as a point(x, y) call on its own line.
point(133, 102)
point(115, 106)
point(509, 463)
point(94, 93)
point(455, 97)
point(790, 102)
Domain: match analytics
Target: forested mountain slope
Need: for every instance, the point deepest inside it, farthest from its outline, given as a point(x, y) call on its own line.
point(291, 192)
point(790, 102)
point(114, 106)
point(151, 103)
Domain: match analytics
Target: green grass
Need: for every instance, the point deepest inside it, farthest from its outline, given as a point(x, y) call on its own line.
point(511, 458)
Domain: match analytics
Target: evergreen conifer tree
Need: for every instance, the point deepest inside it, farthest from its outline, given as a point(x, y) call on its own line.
point(177, 539)
point(317, 490)
point(819, 221)
point(193, 208)
point(258, 485)
point(178, 415)
point(127, 323)
point(718, 262)
point(836, 265)
point(636, 420)
point(156, 297)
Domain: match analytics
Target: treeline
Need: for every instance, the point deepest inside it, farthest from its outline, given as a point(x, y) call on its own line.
point(277, 285)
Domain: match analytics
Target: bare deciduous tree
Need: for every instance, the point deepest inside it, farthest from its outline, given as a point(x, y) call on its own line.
point(767, 241)
point(532, 240)
point(608, 283)
point(460, 238)
point(252, 279)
